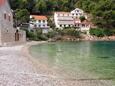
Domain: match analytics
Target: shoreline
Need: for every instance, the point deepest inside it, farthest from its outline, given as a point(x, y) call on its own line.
point(43, 67)
point(83, 38)
point(50, 73)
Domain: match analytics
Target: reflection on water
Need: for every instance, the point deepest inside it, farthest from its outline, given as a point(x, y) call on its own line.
point(95, 60)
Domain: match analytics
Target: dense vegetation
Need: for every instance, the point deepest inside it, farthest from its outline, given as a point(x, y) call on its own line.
point(56, 34)
point(103, 11)
point(43, 6)
point(99, 32)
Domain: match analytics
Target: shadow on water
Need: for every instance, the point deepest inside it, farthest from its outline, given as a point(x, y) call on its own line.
point(104, 57)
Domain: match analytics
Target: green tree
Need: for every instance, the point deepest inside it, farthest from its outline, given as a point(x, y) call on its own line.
point(40, 6)
point(82, 18)
point(21, 16)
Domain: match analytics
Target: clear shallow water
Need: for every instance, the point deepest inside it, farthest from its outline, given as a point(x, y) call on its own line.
point(82, 60)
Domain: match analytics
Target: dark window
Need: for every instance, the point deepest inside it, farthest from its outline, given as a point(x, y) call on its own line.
point(35, 25)
point(39, 21)
point(77, 10)
point(78, 25)
point(39, 25)
point(5, 16)
point(60, 25)
point(83, 25)
point(43, 20)
point(9, 18)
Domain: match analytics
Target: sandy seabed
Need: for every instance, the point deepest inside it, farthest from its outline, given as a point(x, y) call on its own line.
point(19, 68)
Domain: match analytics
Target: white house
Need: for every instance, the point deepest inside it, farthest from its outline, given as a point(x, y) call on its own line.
point(8, 34)
point(77, 12)
point(63, 19)
point(39, 21)
point(71, 19)
point(83, 26)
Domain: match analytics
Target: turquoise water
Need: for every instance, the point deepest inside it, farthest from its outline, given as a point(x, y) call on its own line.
point(83, 60)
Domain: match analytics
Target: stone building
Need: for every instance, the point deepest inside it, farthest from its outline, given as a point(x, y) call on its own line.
point(8, 34)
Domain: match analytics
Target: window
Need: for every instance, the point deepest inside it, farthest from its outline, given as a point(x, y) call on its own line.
point(5, 15)
point(39, 25)
point(43, 21)
point(60, 25)
point(9, 18)
point(77, 10)
point(35, 25)
point(83, 25)
point(39, 21)
point(78, 25)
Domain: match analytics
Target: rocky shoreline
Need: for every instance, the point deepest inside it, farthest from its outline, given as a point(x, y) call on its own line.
point(83, 38)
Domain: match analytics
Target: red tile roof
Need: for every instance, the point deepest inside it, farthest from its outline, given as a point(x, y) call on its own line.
point(2, 2)
point(39, 17)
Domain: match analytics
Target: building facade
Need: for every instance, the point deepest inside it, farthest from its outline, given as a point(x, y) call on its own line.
point(63, 19)
point(8, 34)
point(71, 19)
point(38, 21)
point(77, 12)
point(83, 26)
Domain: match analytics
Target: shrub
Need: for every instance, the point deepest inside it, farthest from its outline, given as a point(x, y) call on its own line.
point(108, 32)
point(42, 37)
point(101, 32)
point(69, 31)
point(32, 36)
point(82, 18)
point(97, 32)
point(51, 34)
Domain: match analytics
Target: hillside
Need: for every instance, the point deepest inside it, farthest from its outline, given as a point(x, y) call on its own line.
point(102, 11)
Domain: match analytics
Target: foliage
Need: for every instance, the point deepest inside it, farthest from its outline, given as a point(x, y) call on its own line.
point(35, 35)
point(43, 6)
point(99, 32)
point(82, 18)
point(51, 34)
point(21, 16)
point(103, 11)
point(69, 31)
